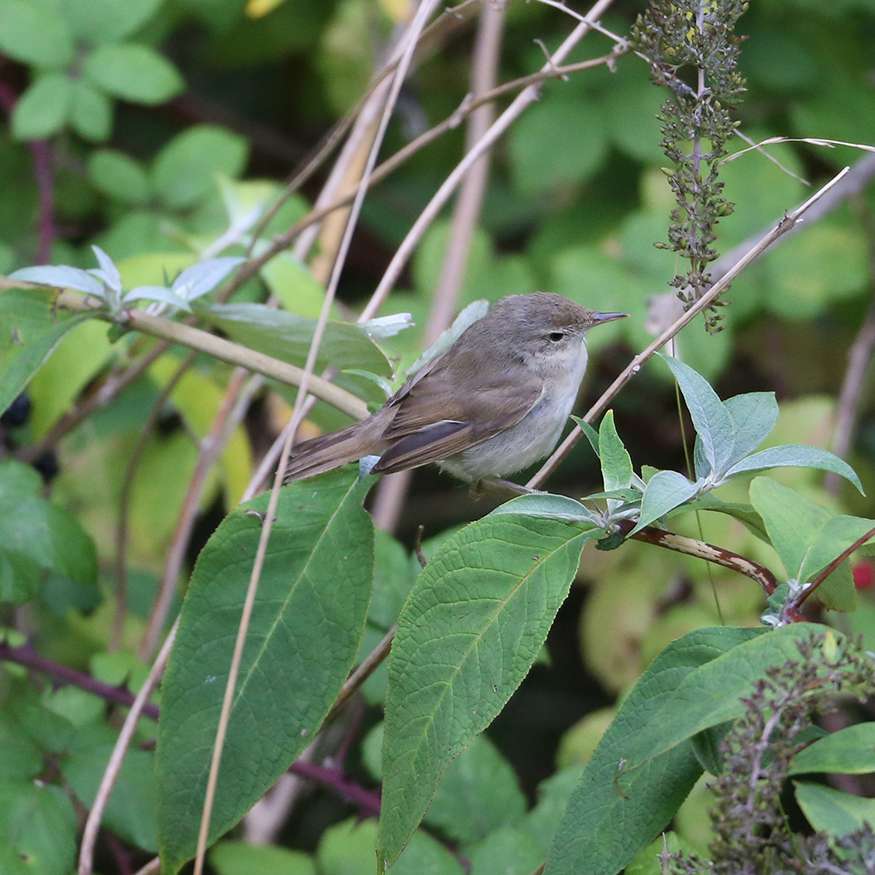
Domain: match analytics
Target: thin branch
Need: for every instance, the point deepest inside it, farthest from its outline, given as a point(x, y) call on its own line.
point(709, 552)
point(392, 490)
point(815, 584)
point(323, 209)
point(367, 801)
point(520, 103)
point(787, 223)
point(422, 14)
point(107, 782)
point(28, 657)
point(125, 494)
point(224, 350)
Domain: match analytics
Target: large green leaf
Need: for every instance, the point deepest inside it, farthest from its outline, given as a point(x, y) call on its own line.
point(478, 794)
point(713, 693)
point(287, 336)
point(850, 751)
point(664, 492)
point(43, 108)
point(795, 526)
point(305, 629)
point(833, 811)
point(797, 456)
point(30, 327)
point(468, 634)
point(614, 813)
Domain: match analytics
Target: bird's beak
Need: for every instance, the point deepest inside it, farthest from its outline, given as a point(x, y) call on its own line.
point(600, 318)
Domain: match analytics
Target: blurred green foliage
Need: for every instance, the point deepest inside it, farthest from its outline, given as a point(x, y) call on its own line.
point(167, 123)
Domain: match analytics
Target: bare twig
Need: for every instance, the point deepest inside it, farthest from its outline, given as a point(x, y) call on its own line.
point(788, 222)
point(367, 801)
point(121, 529)
point(107, 782)
point(224, 350)
point(392, 490)
point(520, 103)
point(423, 13)
point(29, 658)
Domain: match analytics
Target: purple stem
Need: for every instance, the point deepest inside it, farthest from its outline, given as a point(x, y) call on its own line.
point(367, 801)
point(29, 658)
point(43, 172)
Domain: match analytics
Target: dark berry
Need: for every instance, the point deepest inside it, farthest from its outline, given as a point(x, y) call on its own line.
point(17, 412)
point(47, 465)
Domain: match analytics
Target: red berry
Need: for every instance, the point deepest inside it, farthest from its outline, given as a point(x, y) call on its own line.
point(864, 575)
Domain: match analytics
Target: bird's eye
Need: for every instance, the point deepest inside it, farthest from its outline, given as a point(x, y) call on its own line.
point(556, 336)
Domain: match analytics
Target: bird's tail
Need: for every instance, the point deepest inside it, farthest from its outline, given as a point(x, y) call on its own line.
point(330, 451)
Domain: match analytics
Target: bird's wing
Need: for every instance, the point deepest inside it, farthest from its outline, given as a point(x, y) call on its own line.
point(434, 421)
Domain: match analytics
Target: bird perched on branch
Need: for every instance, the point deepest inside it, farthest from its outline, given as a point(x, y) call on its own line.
point(492, 404)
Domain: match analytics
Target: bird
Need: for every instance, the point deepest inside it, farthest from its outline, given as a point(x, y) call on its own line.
point(491, 405)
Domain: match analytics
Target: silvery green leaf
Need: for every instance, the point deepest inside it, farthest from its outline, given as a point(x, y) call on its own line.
point(616, 462)
point(544, 504)
point(754, 415)
point(665, 491)
point(474, 311)
point(108, 272)
point(700, 464)
point(156, 293)
point(712, 420)
point(203, 277)
point(589, 432)
point(387, 326)
point(797, 456)
point(62, 277)
point(626, 495)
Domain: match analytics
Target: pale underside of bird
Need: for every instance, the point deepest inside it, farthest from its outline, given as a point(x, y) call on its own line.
point(491, 405)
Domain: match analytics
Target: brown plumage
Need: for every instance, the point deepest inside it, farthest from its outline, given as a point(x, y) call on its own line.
point(503, 368)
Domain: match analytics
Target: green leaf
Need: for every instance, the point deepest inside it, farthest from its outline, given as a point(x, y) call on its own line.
point(239, 858)
point(754, 415)
point(664, 492)
point(614, 810)
point(185, 169)
point(348, 849)
point(649, 860)
point(616, 461)
point(508, 850)
point(589, 433)
point(133, 72)
point(713, 422)
point(796, 456)
point(77, 359)
point(20, 758)
point(37, 829)
point(744, 513)
point(559, 142)
point(478, 794)
point(131, 809)
point(302, 639)
point(287, 337)
point(118, 176)
point(42, 110)
point(544, 504)
point(467, 636)
point(832, 811)
point(90, 112)
point(103, 21)
point(795, 524)
point(34, 35)
point(834, 538)
point(849, 751)
point(713, 693)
